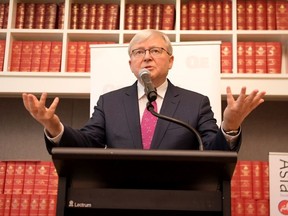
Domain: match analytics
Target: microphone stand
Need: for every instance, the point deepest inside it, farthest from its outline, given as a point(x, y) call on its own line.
point(150, 107)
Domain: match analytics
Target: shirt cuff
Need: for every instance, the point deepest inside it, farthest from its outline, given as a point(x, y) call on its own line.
point(232, 140)
point(57, 138)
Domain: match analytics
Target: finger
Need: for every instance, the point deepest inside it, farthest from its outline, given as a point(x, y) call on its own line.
point(42, 100)
point(54, 105)
point(229, 94)
point(242, 94)
point(25, 101)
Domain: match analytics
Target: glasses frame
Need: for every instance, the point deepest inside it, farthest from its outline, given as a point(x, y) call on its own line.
point(149, 50)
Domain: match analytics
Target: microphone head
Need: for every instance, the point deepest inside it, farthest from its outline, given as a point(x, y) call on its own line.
point(144, 73)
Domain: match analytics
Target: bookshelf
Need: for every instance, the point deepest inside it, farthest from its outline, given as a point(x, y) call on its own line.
point(77, 84)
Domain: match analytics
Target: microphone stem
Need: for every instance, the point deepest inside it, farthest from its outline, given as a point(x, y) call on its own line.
point(150, 107)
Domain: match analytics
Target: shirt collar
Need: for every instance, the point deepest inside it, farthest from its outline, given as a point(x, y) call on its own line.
point(161, 90)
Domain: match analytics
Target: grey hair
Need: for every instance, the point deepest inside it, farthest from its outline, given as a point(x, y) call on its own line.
point(147, 33)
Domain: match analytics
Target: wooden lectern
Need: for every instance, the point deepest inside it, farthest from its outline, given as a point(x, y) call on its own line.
point(128, 182)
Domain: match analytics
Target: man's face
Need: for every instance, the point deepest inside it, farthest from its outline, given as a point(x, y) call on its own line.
point(157, 65)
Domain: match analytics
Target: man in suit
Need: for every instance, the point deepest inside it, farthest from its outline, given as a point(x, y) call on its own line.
point(121, 128)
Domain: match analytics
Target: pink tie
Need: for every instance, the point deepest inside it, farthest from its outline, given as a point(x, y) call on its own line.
point(148, 126)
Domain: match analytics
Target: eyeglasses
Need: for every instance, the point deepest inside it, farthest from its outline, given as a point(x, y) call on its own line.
point(154, 51)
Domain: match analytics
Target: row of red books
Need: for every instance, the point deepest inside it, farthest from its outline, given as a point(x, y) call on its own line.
point(36, 56)
point(40, 16)
point(28, 177)
point(28, 205)
point(250, 207)
point(78, 55)
point(149, 16)
point(206, 15)
point(4, 10)
point(253, 57)
point(262, 15)
point(94, 16)
point(250, 180)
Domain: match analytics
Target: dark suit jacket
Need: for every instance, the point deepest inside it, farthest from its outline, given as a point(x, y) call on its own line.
point(115, 123)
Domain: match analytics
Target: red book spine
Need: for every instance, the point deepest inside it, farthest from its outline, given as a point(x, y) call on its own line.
point(235, 183)
point(20, 13)
point(36, 56)
point(241, 57)
point(203, 14)
point(184, 17)
point(281, 15)
point(246, 179)
point(262, 207)
point(265, 181)
point(257, 180)
point(227, 15)
point(72, 56)
point(55, 56)
point(238, 207)
point(261, 14)
point(2, 12)
point(158, 13)
point(193, 12)
point(250, 15)
point(53, 180)
point(18, 182)
point(7, 207)
point(50, 15)
point(52, 204)
point(15, 56)
point(81, 56)
point(83, 16)
point(139, 15)
point(211, 15)
point(260, 57)
point(271, 14)
point(26, 56)
point(43, 205)
point(249, 207)
point(91, 16)
point(29, 15)
point(2, 53)
point(249, 57)
point(168, 16)
point(41, 177)
point(34, 205)
point(2, 203)
point(2, 176)
point(226, 57)
point(25, 204)
point(274, 57)
point(61, 15)
point(130, 15)
point(218, 15)
point(112, 16)
point(74, 15)
point(100, 16)
point(15, 204)
point(9, 177)
point(29, 177)
point(5, 21)
point(39, 16)
point(148, 14)
point(241, 15)
point(45, 56)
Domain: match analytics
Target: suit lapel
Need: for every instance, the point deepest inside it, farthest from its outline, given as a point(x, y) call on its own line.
point(131, 106)
point(168, 108)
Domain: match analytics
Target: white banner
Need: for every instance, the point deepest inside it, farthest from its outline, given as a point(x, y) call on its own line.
point(278, 178)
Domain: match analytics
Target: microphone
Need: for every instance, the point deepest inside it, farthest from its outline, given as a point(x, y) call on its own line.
point(149, 88)
point(150, 107)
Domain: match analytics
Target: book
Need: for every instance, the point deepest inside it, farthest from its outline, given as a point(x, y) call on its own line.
point(9, 177)
point(72, 56)
point(100, 16)
point(2, 203)
point(18, 179)
point(211, 14)
point(112, 16)
point(203, 15)
point(50, 15)
point(29, 14)
point(148, 14)
point(218, 15)
point(29, 177)
point(261, 14)
point(140, 17)
point(61, 15)
point(245, 168)
point(250, 57)
point(53, 180)
point(249, 207)
point(74, 15)
point(82, 22)
point(2, 53)
point(226, 57)
point(25, 204)
point(281, 15)
point(157, 14)
point(36, 56)
point(81, 56)
point(130, 12)
point(55, 56)
point(241, 67)
point(241, 15)
point(45, 56)
point(2, 175)
point(41, 177)
point(257, 179)
point(271, 14)
point(39, 16)
point(15, 204)
point(43, 205)
point(260, 57)
point(26, 56)
point(15, 56)
point(250, 14)
point(34, 205)
point(193, 12)
point(168, 17)
point(274, 57)
point(227, 15)
point(184, 17)
point(52, 204)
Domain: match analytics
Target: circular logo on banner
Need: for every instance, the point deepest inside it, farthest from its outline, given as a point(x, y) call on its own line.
point(283, 207)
